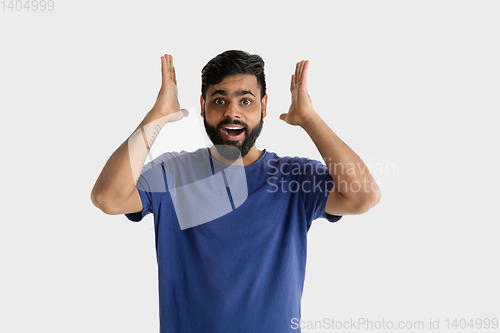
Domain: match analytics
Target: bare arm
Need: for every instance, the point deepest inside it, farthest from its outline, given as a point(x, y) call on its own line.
point(115, 190)
point(356, 191)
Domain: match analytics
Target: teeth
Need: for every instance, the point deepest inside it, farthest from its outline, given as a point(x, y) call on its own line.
point(232, 128)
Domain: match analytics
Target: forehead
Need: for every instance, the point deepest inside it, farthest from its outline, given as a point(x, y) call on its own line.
point(238, 82)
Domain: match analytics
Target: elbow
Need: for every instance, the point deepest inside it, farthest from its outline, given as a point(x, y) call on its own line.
point(368, 201)
point(98, 200)
point(101, 201)
point(375, 198)
point(95, 198)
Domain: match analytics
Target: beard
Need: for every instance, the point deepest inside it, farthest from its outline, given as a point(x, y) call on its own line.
point(232, 150)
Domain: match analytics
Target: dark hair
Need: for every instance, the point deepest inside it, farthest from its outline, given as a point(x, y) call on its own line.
point(230, 63)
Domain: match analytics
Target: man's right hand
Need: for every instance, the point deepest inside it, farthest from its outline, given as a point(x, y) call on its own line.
point(167, 102)
point(115, 190)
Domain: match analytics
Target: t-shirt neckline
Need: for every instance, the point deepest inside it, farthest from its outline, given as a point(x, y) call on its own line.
point(223, 165)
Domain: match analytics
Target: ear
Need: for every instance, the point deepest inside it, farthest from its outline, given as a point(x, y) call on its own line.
point(202, 104)
point(264, 106)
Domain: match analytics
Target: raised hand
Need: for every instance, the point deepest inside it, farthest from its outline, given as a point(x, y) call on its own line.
point(167, 102)
point(301, 108)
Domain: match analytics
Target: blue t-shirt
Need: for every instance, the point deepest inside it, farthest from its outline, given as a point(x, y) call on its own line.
point(231, 241)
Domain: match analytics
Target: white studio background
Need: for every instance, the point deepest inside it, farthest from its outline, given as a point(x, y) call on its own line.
point(411, 86)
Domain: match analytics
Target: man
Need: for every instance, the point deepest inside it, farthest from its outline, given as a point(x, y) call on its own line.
point(231, 221)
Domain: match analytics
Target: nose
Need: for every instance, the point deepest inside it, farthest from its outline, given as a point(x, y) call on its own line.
point(232, 111)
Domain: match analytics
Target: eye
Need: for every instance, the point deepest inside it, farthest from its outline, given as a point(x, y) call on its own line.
point(219, 101)
point(246, 101)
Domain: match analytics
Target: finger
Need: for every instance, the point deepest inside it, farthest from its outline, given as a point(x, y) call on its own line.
point(163, 68)
point(302, 65)
point(283, 116)
point(297, 71)
point(176, 116)
point(174, 77)
point(165, 71)
point(169, 66)
point(303, 77)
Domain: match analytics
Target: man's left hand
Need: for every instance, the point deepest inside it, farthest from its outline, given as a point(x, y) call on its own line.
point(301, 109)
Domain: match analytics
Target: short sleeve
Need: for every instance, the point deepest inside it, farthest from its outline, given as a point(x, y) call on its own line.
point(150, 185)
point(316, 185)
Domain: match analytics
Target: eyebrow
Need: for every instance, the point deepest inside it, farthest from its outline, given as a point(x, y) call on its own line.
point(238, 93)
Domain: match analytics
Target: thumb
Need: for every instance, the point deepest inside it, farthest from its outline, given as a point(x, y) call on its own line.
point(283, 116)
point(176, 116)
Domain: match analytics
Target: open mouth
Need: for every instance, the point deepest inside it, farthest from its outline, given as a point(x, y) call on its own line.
point(233, 132)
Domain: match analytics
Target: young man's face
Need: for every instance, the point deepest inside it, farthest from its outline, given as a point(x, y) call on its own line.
point(233, 114)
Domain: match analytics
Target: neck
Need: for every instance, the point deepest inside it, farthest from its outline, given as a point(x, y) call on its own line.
point(253, 155)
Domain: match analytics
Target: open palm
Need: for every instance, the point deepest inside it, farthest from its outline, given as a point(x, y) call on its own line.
point(167, 101)
point(301, 107)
